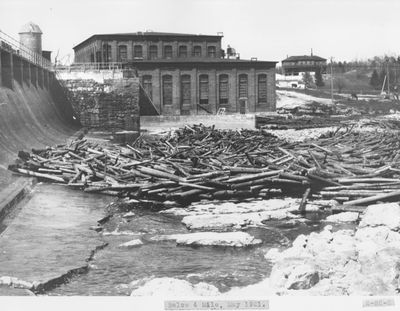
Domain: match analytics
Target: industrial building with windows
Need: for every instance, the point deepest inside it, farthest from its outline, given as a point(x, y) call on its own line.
point(184, 74)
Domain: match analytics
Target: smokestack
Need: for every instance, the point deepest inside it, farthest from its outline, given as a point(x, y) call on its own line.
point(311, 52)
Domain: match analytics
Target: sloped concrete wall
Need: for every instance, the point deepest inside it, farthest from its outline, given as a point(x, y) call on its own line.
point(32, 117)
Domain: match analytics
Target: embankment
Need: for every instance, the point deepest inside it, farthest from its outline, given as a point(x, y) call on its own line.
point(30, 117)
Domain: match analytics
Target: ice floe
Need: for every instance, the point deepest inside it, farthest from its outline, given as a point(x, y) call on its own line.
point(234, 239)
point(133, 243)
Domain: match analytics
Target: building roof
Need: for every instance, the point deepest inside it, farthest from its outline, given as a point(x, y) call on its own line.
point(144, 35)
point(200, 60)
point(303, 57)
point(30, 27)
point(203, 62)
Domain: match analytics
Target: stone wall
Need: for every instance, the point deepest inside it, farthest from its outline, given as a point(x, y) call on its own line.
point(112, 104)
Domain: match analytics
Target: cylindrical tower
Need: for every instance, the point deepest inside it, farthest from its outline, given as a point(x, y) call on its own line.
point(30, 36)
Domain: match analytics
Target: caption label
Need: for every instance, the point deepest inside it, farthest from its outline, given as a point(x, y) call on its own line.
point(216, 305)
point(378, 302)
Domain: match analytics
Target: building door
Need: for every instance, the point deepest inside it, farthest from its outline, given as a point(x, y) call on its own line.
point(186, 96)
point(242, 105)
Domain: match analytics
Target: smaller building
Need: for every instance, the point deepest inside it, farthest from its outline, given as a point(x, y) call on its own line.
point(297, 65)
point(289, 82)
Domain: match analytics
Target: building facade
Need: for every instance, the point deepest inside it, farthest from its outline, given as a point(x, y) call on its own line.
point(184, 74)
point(296, 65)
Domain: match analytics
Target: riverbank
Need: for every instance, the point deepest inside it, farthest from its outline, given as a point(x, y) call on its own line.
point(358, 260)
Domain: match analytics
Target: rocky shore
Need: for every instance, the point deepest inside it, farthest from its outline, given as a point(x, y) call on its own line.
point(364, 261)
point(360, 261)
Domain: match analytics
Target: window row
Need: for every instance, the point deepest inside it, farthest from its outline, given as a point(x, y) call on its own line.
point(203, 89)
point(306, 62)
point(152, 52)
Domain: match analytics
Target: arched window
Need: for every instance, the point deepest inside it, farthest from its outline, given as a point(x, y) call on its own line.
point(203, 89)
point(223, 90)
point(197, 51)
point(186, 96)
point(106, 53)
point(153, 51)
point(148, 86)
point(138, 51)
point(243, 86)
point(167, 90)
point(122, 53)
point(262, 88)
point(182, 52)
point(211, 51)
point(168, 51)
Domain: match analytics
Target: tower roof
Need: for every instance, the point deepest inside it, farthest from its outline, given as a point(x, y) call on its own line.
point(30, 27)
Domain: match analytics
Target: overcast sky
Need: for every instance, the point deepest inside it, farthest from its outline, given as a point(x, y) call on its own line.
point(267, 29)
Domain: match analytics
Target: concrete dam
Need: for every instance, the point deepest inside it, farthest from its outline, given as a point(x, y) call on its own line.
point(34, 111)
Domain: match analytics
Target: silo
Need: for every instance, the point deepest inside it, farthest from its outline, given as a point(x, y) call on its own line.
point(30, 36)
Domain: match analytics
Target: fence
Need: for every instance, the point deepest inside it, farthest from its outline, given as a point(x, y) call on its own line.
point(13, 46)
point(89, 66)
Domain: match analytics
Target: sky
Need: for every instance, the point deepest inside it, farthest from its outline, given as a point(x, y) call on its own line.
point(267, 29)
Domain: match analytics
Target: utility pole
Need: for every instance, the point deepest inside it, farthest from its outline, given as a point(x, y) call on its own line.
point(388, 85)
point(331, 80)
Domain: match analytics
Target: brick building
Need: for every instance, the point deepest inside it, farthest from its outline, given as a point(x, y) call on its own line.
point(186, 74)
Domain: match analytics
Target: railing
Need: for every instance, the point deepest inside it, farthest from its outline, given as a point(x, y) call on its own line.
point(90, 66)
point(12, 45)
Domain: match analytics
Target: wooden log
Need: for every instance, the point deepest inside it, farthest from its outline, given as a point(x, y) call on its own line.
point(247, 184)
point(206, 175)
point(324, 180)
point(156, 173)
point(50, 171)
point(366, 180)
point(375, 198)
point(187, 194)
point(190, 185)
point(323, 149)
point(40, 175)
point(244, 178)
point(349, 193)
point(303, 203)
point(293, 177)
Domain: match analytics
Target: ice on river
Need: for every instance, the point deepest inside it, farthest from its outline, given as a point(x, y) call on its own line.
point(230, 215)
point(234, 207)
point(234, 220)
point(133, 243)
point(234, 239)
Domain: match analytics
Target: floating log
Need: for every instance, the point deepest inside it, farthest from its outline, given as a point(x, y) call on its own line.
point(373, 199)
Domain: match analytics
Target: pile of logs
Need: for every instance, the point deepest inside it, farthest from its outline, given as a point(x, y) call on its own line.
point(198, 162)
point(287, 121)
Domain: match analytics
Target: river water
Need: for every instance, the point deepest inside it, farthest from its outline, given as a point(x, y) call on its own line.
point(51, 234)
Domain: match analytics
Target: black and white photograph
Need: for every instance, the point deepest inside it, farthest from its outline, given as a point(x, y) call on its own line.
point(199, 155)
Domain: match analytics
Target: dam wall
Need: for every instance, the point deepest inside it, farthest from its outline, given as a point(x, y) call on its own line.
point(34, 110)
